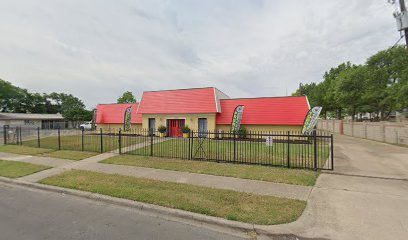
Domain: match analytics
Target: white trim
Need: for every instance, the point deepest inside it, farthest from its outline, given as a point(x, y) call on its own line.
point(216, 101)
point(307, 100)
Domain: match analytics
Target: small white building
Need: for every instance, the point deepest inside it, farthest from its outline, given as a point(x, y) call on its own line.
point(44, 121)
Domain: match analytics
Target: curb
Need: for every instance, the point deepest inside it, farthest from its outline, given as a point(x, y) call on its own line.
point(199, 218)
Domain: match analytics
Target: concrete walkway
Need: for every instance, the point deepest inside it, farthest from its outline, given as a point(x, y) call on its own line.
point(220, 182)
point(59, 169)
point(139, 145)
point(367, 206)
point(52, 162)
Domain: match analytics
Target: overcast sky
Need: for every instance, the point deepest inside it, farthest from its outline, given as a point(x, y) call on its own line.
point(98, 49)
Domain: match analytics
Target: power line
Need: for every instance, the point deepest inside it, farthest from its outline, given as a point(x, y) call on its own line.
point(393, 46)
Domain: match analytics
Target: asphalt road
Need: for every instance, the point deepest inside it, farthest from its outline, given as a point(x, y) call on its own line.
point(27, 213)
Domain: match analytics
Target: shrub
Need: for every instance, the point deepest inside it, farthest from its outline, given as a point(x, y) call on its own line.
point(162, 129)
point(185, 129)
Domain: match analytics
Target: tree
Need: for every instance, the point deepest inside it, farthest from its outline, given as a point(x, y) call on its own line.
point(387, 81)
point(71, 107)
point(127, 97)
point(350, 88)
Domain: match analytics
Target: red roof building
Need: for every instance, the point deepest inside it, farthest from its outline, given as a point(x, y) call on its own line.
point(114, 113)
point(266, 111)
point(206, 109)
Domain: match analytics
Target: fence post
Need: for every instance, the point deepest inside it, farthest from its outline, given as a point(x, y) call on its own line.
point(314, 150)
point(5, 134)
point(120, 141)
point(332, 152)
point(101, 135)
point(38, 137)
point(189, 145)
point(235, 147)
point(21, 137)
point(17, 136)
point(192, 145)
point(82, 139)
point(59, 138)
point(288, 159)
point(151, 143)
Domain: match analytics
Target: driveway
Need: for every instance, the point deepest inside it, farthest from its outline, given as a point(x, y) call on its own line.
point(365, 198)
point(368, 158)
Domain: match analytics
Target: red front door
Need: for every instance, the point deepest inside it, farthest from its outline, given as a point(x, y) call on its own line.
point(175, 126)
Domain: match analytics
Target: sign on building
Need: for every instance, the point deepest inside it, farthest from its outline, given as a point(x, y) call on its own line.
point(269, 141)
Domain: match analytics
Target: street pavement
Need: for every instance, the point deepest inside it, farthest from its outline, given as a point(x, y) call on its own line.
point(33, 214)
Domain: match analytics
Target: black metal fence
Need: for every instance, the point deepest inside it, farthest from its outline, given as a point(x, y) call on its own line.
point(284, 149)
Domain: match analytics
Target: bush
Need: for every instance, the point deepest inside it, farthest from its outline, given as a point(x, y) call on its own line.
point(185, 129)
point(162, 129)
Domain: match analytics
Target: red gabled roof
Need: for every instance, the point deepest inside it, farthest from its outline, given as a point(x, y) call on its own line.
point(114, 113)
point(184, 101)
point(268, 110)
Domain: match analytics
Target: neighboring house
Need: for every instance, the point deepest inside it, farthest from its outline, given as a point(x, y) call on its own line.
point(44, 121)
point(205, 109)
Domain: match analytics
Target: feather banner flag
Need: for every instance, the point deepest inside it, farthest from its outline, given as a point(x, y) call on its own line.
point(127, 121)
point(311, 120)
point(237, 118)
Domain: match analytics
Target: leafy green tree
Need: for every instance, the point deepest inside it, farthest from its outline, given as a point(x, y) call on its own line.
point(127, 97)
point(10, 97)
point(387, 81)
point(350, 88)
point(71, 107)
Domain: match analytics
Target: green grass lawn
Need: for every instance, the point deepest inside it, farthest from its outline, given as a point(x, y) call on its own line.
point(13, 169)
point(301, 155)
point(43, 152)
point(270, 174)
point(24, 150)
point(92, 143)
point(68, 154)
point(226, 204)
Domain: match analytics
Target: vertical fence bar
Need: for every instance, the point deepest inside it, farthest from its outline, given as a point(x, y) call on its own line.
point(235, 147)
point(21, 137)
point(120, 141)
point(38, 137)
point(82, 140)
point(151, 143)
point(331, 152)
point(5, 134)
point(288, 159)
point(189, 145)
point(101, 135)
point(314, 150)
point(192, 145)
point(59, 138)
point(17, 136)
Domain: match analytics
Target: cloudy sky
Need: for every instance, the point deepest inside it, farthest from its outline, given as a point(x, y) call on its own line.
point(97, 49)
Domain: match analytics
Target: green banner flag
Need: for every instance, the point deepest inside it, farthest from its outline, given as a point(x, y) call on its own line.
point(127, 121)
point(237, 118)
point(311, 120)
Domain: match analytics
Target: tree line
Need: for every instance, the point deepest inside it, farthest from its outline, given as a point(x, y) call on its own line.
point(19, 100)
point(378, 86)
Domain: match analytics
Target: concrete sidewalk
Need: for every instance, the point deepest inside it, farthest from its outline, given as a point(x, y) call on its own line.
point(220, 182)
point(52, 162)
point(61, 168)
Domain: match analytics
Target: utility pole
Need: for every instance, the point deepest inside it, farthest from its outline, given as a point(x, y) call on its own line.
point(404, 9)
